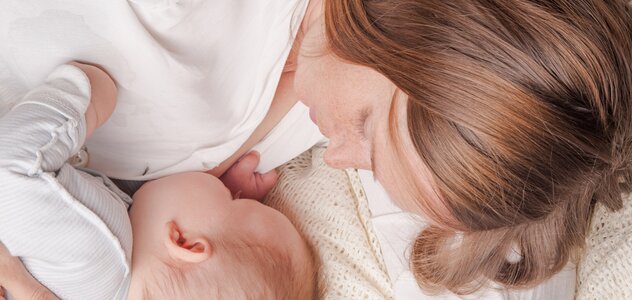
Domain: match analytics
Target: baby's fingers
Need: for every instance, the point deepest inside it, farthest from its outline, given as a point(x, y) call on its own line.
point(244, 182)
point(265, 182)
point(247, 164)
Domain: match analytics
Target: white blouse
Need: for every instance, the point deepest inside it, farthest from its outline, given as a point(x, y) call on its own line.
point(195, 77)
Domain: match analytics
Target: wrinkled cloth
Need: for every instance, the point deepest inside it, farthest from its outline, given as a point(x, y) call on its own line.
point(69, 227)
point(195, 78)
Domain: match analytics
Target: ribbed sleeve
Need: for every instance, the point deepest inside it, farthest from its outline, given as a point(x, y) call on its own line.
point(71, 231)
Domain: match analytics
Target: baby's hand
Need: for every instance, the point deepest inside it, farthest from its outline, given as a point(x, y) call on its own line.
point(243, 182)
point(102, 96)
point(18, 281)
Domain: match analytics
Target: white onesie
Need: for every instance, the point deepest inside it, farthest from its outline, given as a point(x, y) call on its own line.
point(69, 227)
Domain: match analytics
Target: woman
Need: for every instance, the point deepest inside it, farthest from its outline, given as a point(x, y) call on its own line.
point(502, 122)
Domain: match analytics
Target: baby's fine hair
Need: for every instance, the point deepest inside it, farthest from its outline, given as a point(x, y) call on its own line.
point(248, 272)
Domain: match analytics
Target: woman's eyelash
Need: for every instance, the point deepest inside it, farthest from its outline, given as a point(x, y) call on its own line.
point(360, 123)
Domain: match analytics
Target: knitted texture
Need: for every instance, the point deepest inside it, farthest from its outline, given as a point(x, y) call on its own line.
point(330, 209)
point(605, 272)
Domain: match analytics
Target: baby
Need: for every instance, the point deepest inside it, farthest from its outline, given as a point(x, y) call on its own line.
point(71, 228)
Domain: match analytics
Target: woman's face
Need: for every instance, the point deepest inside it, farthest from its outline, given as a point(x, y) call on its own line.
point(351, 105)
point(345, 100)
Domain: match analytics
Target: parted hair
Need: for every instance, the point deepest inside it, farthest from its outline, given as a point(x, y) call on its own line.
point(522, 112)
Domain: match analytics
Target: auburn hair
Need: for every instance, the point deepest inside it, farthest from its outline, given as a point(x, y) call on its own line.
point(522, 112)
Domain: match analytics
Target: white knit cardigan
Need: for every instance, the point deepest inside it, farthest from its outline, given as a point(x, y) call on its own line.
point(605, 272)
point(329, 208)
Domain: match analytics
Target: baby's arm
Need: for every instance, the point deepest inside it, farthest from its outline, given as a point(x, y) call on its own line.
point(18, 281)
point(41, 222)
point(244, 182)
point(41, 132)
point(53, 120)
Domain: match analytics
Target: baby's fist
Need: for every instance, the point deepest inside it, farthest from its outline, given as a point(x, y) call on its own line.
point(244, 182)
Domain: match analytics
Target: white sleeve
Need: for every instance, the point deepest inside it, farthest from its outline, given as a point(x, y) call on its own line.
point(58, 220)
point(48, 126)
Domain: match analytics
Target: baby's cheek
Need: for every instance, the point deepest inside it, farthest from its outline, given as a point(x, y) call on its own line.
point(282, 233)
point(257, 222)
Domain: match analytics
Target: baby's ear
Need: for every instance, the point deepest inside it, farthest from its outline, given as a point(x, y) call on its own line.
point(184, 248)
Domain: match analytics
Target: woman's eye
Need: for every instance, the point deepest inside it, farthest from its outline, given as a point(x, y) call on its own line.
point(360, 124)
point(360, 127)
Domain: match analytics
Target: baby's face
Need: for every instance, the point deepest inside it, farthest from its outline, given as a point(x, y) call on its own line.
point(202, 208)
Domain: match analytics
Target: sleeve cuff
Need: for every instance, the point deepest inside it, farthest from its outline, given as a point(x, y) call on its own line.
point(66, 90)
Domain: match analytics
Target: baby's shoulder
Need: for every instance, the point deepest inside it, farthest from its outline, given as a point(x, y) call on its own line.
point(71, 232)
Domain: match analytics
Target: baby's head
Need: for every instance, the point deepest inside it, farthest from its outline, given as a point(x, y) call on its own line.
point(192, 240)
